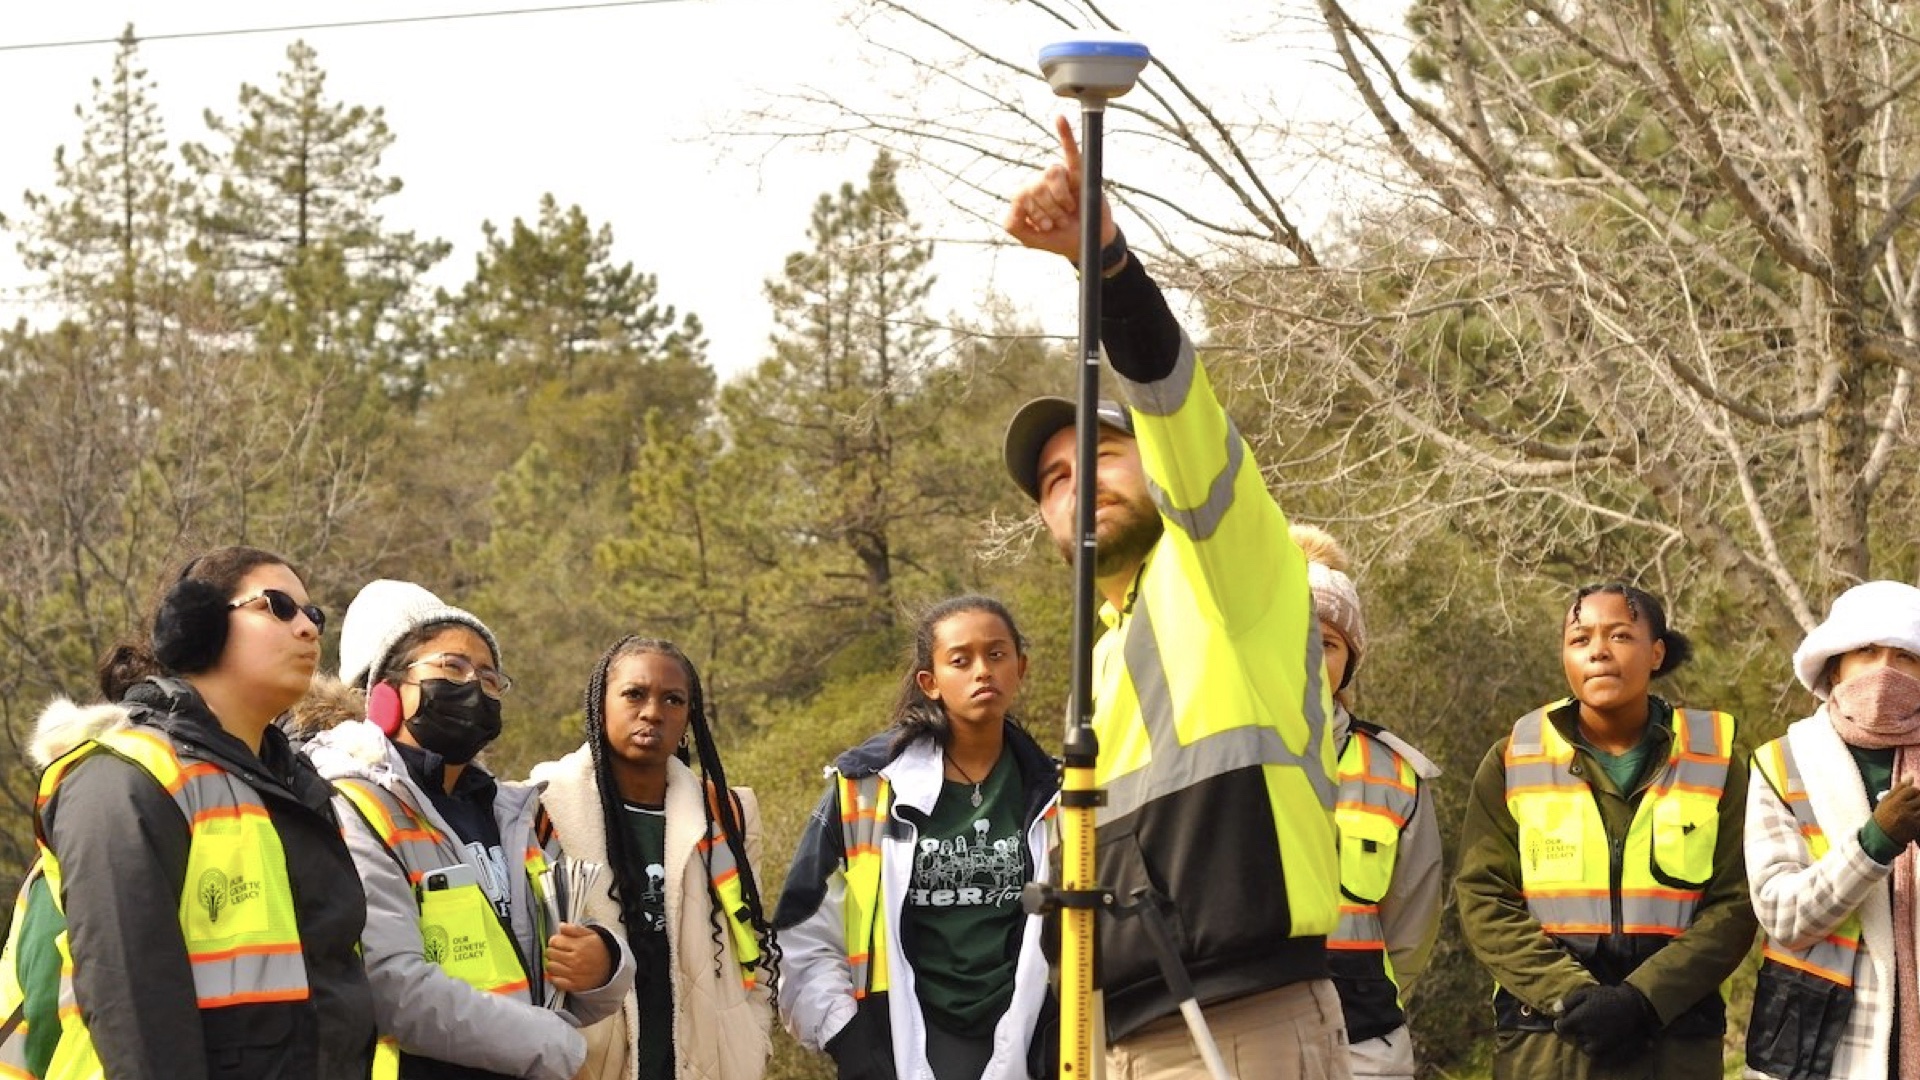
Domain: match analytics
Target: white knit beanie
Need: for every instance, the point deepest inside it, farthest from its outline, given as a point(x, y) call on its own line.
point(1875, 613)
point(383, 613)
point(1335, 600)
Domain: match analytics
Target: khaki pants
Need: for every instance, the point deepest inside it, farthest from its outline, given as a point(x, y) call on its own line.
point(1389, 1057)
point(1293, 1033)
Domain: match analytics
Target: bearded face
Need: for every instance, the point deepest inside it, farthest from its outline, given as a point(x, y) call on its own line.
point(1126, 523)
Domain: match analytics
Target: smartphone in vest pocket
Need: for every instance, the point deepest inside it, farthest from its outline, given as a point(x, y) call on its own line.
point(449, 877)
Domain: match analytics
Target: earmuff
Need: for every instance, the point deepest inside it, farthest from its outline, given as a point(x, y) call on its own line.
point(190, 627)
point(384, 708)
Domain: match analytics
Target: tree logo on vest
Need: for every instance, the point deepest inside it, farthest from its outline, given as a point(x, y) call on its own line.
point(212, 893)
point(433, 940)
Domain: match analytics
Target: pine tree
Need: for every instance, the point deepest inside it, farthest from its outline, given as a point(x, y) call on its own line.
point(290, 234)
point(105, 237)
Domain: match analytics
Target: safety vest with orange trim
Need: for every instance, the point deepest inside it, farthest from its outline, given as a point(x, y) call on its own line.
point(723, 873)
point(1834, 958)
point(864, 804)
point(237, 913)
point(1378, 792)
point(459, 929)
point(1573, 881)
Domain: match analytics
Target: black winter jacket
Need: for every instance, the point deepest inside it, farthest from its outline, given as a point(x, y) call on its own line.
point(122, 846)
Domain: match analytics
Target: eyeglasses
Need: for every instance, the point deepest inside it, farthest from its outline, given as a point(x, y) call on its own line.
point(459, 669)
point(284, 607)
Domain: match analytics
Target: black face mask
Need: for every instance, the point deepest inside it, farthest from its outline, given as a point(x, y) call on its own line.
point(455, 720)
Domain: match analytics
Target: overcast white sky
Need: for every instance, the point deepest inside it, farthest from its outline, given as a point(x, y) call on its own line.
point(613, 109)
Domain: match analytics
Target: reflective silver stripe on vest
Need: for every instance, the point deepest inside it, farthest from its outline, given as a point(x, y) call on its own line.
point(1639, 914)
point(1201, 521)
point(1174, 767)
point(1701, 766)
point(250, 977)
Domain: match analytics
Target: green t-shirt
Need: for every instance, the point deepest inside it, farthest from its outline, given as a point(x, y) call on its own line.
point(963, 917)
point(1876, 773)
point(646, 836)
point(1624, 768)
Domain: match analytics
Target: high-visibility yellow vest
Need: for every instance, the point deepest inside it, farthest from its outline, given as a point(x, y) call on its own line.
point(1568, 873)
point(459, 929)
point(14, 1063)
point(1378, 793)
point(864, 806)
point(236, 914)
point(724, 875)
point(1835, 957)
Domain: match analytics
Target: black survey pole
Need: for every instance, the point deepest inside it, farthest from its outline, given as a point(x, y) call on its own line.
point(1091, 70)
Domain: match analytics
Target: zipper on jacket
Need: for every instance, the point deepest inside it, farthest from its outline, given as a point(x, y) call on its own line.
point(1616, 854)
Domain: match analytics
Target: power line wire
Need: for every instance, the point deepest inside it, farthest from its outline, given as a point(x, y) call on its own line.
point(398, 20)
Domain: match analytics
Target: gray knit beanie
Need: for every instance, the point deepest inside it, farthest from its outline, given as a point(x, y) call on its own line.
point(1335, 600)
point(383, 613)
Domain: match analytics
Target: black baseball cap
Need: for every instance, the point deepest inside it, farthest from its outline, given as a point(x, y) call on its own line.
point(1039, 420)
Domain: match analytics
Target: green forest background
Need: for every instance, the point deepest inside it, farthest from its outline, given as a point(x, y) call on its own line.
point(247, 353)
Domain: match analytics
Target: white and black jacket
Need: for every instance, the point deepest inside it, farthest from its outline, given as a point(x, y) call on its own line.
point(817, 1001)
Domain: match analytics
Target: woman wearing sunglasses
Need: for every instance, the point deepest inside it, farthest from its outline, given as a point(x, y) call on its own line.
point(213, 911)
point(466, 965)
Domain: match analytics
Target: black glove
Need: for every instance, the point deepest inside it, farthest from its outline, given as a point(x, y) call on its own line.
point(1608, 1023)
point(863, 1050)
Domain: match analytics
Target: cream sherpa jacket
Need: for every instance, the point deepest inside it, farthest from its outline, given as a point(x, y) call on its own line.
point(720, 1030)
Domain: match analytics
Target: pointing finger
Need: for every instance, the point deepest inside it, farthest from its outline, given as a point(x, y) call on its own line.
point(1069, 146)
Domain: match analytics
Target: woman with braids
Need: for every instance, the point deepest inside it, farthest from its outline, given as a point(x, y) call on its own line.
point(907, 952)
point(1601, 879)
point(678, 849)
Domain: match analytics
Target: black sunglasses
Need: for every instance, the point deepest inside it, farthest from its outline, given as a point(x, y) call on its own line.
point(284, 608)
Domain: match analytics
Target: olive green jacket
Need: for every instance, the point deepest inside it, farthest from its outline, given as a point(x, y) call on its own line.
point(1539, 972)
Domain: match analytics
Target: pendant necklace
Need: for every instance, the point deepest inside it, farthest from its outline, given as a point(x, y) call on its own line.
point(963, 775)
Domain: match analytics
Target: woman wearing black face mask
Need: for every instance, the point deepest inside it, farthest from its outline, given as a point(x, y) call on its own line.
point(453, 860)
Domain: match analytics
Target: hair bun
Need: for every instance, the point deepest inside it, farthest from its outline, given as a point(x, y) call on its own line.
point(190, 628)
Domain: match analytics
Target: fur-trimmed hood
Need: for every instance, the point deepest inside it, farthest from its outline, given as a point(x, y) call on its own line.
point(64, 725)
point(328, 703)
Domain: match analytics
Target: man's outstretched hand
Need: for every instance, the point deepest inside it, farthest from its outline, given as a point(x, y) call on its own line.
point(1045, 214)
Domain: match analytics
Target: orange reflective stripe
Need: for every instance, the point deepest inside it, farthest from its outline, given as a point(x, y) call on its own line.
point(1382, 812)
point(1801, 963)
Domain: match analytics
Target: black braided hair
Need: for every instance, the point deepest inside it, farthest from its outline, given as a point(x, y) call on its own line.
point(625, 865)
point(1642, 605)
point(917, 716)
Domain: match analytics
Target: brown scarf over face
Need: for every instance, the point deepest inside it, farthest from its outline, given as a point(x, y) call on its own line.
point(1878, 710)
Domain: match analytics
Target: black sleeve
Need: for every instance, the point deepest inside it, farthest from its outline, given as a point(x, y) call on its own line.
point(1138, 329)
point(122, 847)
point(814, 861)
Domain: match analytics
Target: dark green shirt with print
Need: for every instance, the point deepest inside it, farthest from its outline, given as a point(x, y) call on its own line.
point(646, 836)
point(963, 917)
